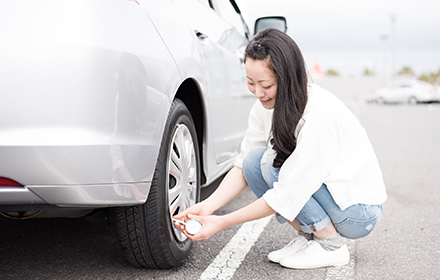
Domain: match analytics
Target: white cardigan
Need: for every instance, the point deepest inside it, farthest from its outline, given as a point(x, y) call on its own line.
point(332, 148)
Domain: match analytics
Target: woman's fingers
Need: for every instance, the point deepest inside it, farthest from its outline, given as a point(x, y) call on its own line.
point(195, 209)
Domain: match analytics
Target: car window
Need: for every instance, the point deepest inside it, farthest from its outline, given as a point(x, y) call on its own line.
point(206, 2)
point(400, 85)
point(227, 12)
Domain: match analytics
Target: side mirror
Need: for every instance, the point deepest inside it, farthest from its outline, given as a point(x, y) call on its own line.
point(277, 22)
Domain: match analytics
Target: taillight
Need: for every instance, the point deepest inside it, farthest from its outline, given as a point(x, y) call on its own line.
point(6, 182)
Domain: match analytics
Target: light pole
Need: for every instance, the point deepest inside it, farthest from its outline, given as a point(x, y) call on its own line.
point(384, 38)
point(393, 18)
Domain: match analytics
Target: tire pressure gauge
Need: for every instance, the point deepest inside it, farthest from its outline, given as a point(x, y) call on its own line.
point(193, 226)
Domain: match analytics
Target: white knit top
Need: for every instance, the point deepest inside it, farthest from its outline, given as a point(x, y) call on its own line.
point(332, 148)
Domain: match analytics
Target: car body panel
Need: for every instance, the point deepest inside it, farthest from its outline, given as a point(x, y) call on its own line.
point(85, 90)
point(64, 105)
point(221, 47)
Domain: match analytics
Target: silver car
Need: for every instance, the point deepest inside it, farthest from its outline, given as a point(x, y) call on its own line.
point(128, 106)
point(407, 91)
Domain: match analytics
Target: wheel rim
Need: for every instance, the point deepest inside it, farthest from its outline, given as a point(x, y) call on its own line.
point(412, 100)
point(182, 174)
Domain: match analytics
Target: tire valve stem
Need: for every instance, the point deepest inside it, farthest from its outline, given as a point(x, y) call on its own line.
point(193, 226)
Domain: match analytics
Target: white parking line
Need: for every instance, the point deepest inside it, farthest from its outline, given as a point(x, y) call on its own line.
point(229, 259)
point(345, 272)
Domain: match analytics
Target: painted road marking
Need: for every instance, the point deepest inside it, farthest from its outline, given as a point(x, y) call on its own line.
point(345, 272)
point(229, 259)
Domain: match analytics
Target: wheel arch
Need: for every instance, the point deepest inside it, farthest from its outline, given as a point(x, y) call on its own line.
point(191, 95)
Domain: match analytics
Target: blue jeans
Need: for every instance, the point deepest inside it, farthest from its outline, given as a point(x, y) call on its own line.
point(354, 222)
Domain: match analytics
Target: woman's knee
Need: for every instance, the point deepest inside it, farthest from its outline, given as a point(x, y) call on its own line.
point(355, 228)
point(252, 171)
point(252, 160)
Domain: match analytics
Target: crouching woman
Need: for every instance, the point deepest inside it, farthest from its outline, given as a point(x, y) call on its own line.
point(305, 156)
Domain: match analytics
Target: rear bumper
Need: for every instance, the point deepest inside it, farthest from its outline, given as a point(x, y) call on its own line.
point(76, 176)
point(89, 196)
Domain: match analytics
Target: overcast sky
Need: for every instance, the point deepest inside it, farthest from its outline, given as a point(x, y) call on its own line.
point(345, 34)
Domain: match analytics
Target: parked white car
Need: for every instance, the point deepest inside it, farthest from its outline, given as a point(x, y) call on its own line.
point(409, 91)
point(124, 105)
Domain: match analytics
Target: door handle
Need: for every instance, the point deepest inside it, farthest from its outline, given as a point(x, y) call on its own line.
point(201, 35)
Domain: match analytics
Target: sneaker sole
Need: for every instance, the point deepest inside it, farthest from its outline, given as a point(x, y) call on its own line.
point(304, 267)
point(274, 260)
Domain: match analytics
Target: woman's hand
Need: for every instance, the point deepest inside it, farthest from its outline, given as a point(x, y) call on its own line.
point(200, 209)
point(210, 225)
point(202, 212)
point(233, 184)
point(230, 187)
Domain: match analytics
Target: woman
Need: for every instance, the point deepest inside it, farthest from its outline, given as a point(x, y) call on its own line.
point(305, 156)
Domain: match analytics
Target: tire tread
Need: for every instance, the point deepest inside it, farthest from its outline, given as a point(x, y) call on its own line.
point(146, 246)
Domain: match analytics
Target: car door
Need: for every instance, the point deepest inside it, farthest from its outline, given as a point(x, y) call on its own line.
point(404, 91)
point(221, 47)
point(395, 93)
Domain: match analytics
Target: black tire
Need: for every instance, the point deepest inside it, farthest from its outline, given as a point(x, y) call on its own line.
point(379, 101)
point(146, 233)
point(412, 100)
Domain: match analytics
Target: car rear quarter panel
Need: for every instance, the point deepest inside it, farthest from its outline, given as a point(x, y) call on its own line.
point(85, 88)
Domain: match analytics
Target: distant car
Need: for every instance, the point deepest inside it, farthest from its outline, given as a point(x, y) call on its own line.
point(407, 91)
point(124, 105)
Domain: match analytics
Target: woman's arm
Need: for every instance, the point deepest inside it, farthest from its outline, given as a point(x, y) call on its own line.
point(232, 185)
point(254, 211)
point(229, 188)
point(212, 224)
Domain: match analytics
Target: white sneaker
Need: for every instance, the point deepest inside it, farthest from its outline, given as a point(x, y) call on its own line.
point(294, 246)
point(314, 256)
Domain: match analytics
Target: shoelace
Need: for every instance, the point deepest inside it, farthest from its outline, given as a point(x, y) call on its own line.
point(310, 242)
point(293, 241)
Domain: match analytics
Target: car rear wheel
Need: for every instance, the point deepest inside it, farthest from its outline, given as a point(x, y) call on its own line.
point(412, 100)
point(379, 101)
point(146, 232)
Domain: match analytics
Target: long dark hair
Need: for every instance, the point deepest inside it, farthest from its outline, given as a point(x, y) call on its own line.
point(284, 58)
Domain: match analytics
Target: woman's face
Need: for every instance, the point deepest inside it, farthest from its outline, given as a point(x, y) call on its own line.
point(262, 82)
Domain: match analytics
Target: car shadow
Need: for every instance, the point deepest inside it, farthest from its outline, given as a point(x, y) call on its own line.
point(56, 248)
point(67, 248)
